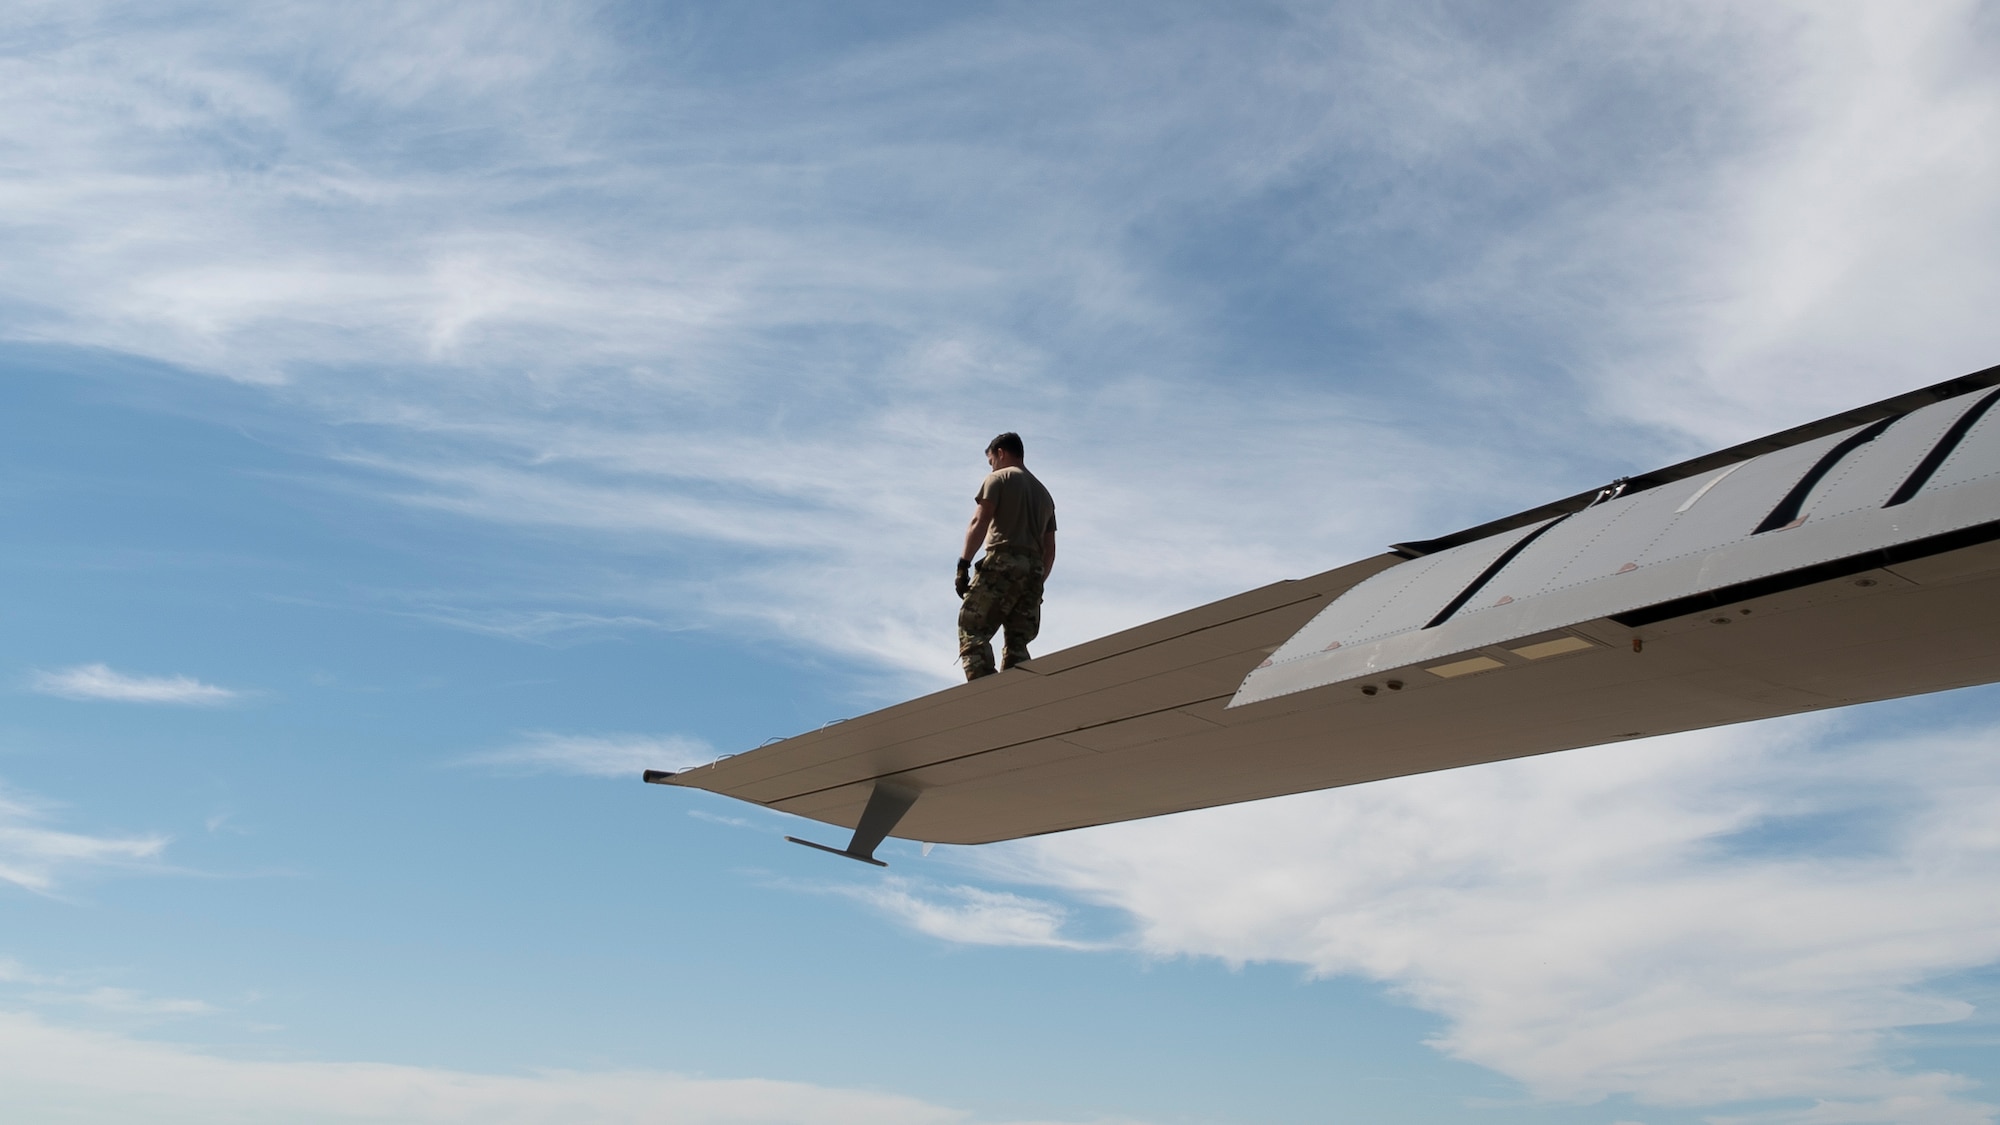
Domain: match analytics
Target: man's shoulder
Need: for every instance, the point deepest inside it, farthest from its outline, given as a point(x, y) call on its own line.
point(1013, 478)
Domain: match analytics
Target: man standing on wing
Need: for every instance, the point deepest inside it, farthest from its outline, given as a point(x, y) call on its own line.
point(1016, 519)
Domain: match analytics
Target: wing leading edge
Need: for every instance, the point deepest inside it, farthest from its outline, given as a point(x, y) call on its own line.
point(1853, 559)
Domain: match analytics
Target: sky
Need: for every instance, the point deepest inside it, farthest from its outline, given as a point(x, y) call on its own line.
point(418, 418)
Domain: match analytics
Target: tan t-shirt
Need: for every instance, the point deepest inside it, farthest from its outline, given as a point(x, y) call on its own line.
point(1022, 511)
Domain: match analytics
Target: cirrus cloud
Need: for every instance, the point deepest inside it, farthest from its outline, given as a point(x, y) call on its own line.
point(970, 915)
point(54, 1072)
point(36, 857)
point(588, 755)
point(101, 682)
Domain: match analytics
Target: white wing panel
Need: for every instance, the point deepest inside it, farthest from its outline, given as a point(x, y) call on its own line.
point(1672, 550)
point(1590, 544)
point(1870, 474)
point(1734, 507)
point(1976, 458)
point(1402, 598)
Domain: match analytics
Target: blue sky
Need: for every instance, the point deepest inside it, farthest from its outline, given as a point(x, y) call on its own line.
point(418, 418)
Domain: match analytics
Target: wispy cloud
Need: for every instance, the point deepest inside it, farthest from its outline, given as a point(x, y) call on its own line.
point(765, 392)
point(68, 991)
point(38, 858)
point(549, 626)
point(600, 755)
point(1712, 918)
point(970, 915)
point(731, 821)
point(54, 1072)
point(13, 972)
point(1844, 250)
point(124, 1002)
point(100, 682)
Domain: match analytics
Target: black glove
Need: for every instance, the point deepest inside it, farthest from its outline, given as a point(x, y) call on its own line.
point(963, 583)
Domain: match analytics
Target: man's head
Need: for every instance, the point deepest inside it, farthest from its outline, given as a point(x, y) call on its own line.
point(1005, 450)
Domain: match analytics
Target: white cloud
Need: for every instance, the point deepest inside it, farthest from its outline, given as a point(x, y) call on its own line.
point(56, 1073)
point(71, 991)
point(606, 755)
point(544, 625)
point(731, 821)
point(97, 681)
point(125, 1002)
point(37, 858)
point(1695, 921)
point(1814, 229)
point(679, 359)
point(969, 915)
point(13, 972)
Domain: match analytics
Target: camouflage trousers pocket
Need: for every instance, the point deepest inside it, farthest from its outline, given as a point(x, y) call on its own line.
point(1006, 596)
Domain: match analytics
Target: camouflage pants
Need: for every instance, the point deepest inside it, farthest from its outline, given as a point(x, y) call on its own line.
point(1006, 594)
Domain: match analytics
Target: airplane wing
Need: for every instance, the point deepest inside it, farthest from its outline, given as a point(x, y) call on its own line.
point(1853, 559)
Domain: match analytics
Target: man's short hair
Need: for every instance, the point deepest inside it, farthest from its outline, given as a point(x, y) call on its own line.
point(1009, 442)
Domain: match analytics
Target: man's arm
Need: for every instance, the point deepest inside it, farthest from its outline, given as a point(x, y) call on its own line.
point(975, 534)
point(1048, 552)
